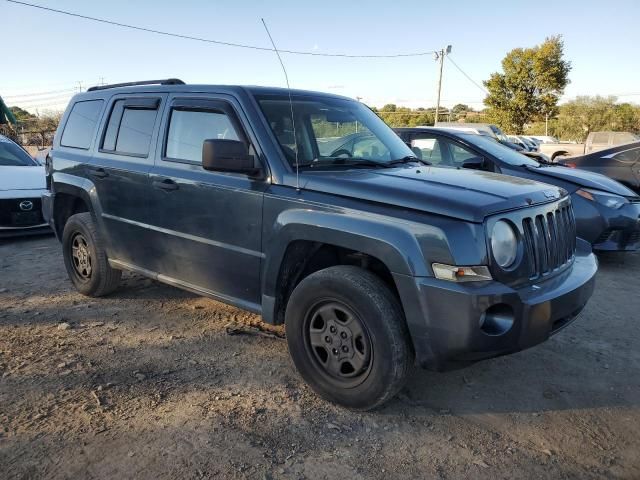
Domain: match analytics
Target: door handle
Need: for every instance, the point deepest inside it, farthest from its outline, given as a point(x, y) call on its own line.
point(98, 173)
point(166, 184)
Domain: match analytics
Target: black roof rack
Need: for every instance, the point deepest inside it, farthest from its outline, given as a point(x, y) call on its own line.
point(168, 81)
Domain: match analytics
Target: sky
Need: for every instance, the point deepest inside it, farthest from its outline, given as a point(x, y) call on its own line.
point(46, 56)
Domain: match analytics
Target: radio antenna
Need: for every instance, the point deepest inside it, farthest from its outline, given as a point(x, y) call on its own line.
point(293, 120)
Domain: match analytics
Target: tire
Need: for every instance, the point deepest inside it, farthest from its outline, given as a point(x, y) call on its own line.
point(88, 270)
point(348, 307)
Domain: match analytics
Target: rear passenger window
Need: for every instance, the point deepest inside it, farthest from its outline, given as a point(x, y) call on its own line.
point(130, 127)
point(81, 124)
point(188, 129)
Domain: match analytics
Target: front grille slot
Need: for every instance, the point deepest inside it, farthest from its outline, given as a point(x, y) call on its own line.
point(549, 240)
point(11, 215)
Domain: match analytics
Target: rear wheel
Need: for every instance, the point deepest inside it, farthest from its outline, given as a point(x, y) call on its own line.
point(85, 258)
point(347, 337)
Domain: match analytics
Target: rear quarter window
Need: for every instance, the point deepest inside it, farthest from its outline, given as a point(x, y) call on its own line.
point(81, 124)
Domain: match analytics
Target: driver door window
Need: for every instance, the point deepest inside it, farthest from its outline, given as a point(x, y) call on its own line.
point(459, 154)
point(430, 150)
point(188, 129)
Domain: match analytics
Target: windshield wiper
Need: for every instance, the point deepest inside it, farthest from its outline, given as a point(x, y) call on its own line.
point(407, 159)
point(343, 162)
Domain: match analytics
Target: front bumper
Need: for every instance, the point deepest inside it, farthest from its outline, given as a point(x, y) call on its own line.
point(446, 325)
point(15, 219)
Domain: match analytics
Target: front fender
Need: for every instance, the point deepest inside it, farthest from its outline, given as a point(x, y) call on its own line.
point(397, 244)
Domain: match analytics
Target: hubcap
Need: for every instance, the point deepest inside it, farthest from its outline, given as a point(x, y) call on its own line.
point(339, 342)
point(81, 256)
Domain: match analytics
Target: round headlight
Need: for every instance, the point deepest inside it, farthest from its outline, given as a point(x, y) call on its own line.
point(504, 244)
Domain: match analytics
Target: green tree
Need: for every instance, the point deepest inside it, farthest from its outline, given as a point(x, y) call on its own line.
point(21, 115)
point(529, 86)
point(577, 118)
point(461, 108)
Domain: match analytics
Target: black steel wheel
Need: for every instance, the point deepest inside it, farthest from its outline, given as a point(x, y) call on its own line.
point(339, 341)
point(81, 255)
point(347, 337)
point(85, 258)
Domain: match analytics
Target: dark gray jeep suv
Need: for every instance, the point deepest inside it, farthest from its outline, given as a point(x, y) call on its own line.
point(371, 258)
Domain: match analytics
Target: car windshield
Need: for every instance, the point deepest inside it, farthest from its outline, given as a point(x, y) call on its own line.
point(331, 132)
point(11, 155)
point(502, 152)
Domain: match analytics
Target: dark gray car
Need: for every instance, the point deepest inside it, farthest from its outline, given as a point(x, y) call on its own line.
point(622, 163)
point(372, 259)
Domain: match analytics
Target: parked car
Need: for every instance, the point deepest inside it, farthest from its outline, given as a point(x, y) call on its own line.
point(543, 139)
point(371, 259)
point(595, 141)
point(606, 211)
point(518, 141)
point(533, 146)
point(22, 183)
point(526, 144)
point(488, 128)
point(622, 163)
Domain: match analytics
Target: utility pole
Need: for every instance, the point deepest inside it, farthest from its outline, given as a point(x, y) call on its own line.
point(79, 86)
point(439, 56)
point(546, 124)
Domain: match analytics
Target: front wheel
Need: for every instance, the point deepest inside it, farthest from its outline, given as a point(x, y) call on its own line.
point(85, 258)
point(347, 337)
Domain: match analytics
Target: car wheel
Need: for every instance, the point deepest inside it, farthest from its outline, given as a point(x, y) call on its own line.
point(85, 258)
point(347, 337)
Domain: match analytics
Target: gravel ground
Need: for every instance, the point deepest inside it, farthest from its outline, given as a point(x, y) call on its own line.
point(153, 382)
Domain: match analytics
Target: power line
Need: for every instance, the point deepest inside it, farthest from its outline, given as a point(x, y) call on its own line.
point(217, 42)
point(467, 76)
point(37, 94)
point(35, 101)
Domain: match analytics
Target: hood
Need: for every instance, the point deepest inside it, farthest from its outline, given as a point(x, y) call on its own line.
point(469, 195)
point(584, 178)
point(22, 178)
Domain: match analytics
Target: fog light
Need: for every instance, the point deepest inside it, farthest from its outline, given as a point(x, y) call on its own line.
point(497, 320)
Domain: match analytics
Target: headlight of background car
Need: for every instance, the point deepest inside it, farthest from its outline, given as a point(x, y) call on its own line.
point(610, 200)
point(504, 244)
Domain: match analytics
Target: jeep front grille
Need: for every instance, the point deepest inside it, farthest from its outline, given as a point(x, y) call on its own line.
point(549, 240)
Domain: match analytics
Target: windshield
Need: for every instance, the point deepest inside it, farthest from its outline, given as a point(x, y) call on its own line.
point(499, 151)
point(331, 132)
point(11, 155)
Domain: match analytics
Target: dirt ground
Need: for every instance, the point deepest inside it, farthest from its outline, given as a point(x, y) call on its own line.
point(156, 383)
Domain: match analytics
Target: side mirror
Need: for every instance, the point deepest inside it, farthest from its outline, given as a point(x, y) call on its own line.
point(227, 156)
point(474, 163)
